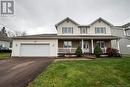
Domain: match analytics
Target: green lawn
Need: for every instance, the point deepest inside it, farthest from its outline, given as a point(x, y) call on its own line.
point(4, 55)
point(94, 73)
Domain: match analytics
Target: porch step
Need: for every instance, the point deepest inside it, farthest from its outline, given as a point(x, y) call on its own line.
point(89, 56)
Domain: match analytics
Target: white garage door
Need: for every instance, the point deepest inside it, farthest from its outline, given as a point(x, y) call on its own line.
point(35, 50)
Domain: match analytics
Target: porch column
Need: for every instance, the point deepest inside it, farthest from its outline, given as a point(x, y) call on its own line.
point(82, 47)
point(118, 45)
point(92, 45)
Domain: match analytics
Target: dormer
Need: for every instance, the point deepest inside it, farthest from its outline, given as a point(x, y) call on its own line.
point(67, 27)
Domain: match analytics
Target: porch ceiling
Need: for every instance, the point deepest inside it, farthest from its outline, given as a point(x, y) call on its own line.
point(88, 37)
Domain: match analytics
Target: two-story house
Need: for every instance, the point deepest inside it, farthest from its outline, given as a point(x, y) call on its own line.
point(70, 35)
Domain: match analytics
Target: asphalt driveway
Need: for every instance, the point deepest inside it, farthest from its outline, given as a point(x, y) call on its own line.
point(18, 72)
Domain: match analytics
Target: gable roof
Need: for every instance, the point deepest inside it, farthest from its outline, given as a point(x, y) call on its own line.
point(101, 20)
point(37, 36)
point(126, 25)
point(65, 20)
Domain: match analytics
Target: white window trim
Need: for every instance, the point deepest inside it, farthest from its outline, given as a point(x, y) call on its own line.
point(100, 30)
point(67, 30)
point(128, 45)
point(67, 44)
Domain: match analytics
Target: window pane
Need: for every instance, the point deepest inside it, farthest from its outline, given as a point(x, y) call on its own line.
point(100, 30)
point(104, 30)
point(101, 44)
point(83, 30)
point(66, 30)
point(97, 30)
point(86, 30)
point(69, 30)
point(69, 44)
point(65, 44)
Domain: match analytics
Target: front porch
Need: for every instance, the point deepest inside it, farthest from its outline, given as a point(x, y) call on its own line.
point(87, 45)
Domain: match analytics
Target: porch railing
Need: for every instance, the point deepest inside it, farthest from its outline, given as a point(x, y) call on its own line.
point(67, 50)
point(72, 50)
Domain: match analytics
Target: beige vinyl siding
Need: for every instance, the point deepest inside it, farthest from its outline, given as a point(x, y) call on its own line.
point(17, 44)
point(90, 31)
point(99, 24)
point(67, 24)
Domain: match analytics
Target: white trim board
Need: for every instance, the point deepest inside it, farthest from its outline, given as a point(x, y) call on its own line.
point(128, 45)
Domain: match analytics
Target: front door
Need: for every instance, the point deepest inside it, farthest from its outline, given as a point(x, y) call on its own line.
point(86, 46)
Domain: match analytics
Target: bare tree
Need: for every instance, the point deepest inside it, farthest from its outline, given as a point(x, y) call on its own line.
point(23, 33)
point(13, 33)
point(18, 33)
point(10, 34)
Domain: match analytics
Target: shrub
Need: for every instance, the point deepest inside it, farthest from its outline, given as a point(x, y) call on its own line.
point(97, 50)
point(5, 51)
point(111, 52)
point(78, 52)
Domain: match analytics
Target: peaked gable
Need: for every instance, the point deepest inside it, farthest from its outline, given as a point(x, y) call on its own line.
point(66, 19)
point(101, 19)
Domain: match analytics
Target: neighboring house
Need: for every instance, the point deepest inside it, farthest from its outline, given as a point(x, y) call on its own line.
point(124, 41)
point(4, 39)
point(69, 36)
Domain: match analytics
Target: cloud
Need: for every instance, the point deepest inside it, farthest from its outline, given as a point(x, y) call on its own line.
point(42, 30)
point(40, 16)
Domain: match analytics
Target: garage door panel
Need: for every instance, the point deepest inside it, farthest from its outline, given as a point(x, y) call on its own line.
point(35, 50)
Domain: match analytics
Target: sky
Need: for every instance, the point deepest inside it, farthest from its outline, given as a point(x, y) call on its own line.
point(40, 16)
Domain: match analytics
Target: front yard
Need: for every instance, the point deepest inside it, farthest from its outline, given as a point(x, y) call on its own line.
point(92, 73)
point(4, 56)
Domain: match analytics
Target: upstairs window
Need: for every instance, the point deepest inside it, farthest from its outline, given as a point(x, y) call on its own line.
point(100, 30)
point(83, 30)
point(67, 30)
